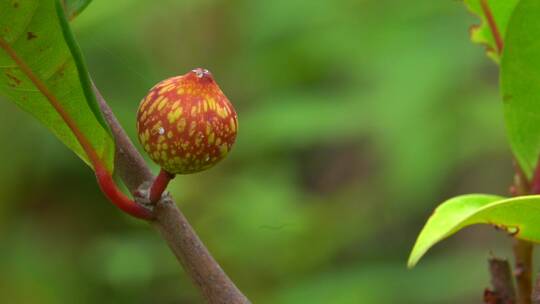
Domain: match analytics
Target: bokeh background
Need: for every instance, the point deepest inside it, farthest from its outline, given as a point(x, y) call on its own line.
point(357, 117)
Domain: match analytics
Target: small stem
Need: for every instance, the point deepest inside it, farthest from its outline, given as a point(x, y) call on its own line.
point(523, 250)
point(521, 184)
point(492, 25)
point(501, 281)
point(119, 199)
point(536, 292)
point(535, 183)
point(523, 270)
point(159, 185)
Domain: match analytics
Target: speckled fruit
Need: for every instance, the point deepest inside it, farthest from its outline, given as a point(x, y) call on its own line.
point(186, 124)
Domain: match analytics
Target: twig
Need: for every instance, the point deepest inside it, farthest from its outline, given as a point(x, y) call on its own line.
point(501, 281)
point(535, 183)
point(214, 284)
point(536, 292)
point(535, 188)
point(523, 270)
point(159, 185)
point(522, 249)
point(204, 271)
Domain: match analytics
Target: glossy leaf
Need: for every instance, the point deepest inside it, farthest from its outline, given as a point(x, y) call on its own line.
point(35, 34)
point(518, 216)
point(481, 34)
point(520, 74)
point(73, 8)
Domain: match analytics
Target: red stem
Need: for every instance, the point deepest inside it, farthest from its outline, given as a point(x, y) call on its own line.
point(159, 185)
point(492, 25)
point(111, 191)
point(104, 177)
point(535, 183)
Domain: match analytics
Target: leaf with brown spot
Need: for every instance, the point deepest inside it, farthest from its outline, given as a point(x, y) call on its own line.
point(518, 216)
point(40, 64)
point(30, 36)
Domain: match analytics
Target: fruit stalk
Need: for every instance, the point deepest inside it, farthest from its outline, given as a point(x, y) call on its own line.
point(159, 185)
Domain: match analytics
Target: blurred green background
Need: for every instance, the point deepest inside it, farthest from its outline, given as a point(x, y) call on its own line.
point(357, 117)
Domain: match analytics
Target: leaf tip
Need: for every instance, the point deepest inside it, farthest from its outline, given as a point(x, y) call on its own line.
point(416, 254)
point(411, 263)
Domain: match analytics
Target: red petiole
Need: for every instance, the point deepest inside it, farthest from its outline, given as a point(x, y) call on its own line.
point(492, 25)
point(159, 185)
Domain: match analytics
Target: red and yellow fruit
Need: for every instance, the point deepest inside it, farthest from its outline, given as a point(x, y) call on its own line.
point(186, 124)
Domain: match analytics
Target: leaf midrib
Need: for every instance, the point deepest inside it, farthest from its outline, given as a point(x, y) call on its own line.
point(42, 87)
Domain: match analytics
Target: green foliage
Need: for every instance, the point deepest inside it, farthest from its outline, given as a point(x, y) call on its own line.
point(451, 216)
point(518, 216)
point(501, 10)
point(520, 72)
point(348, 135)
point(38, 34)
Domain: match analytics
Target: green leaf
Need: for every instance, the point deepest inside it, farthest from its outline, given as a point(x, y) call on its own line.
point(520, 83)
point(481, 34)
point(72, 8)
point(36, 32)
point(519, 216)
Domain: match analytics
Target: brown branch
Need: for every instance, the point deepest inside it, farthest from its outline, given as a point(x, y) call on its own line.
point(501, 281)
point(535, 182)
point(214, 284)
point(536, 292)
point(535, 188)
point(522, 249)
point(523, 270)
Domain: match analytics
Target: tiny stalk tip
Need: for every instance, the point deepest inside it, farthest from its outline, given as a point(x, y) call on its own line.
point(159, 185)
